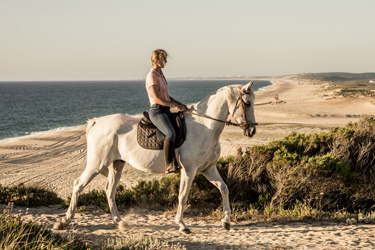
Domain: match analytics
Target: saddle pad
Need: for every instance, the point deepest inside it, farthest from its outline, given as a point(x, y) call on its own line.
point(149, 137)
point(146, 137)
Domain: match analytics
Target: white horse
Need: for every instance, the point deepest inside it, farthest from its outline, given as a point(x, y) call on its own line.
point(112, 141)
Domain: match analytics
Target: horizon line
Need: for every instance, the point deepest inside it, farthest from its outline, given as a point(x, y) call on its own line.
point(238, 77)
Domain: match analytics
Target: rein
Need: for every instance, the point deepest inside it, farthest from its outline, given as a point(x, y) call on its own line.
point(243, 105)
point(218, 120)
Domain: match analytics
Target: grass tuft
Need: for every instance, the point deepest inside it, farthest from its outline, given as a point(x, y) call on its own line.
point(16, 234)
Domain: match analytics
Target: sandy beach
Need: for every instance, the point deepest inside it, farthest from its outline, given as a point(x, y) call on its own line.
point(55, 160)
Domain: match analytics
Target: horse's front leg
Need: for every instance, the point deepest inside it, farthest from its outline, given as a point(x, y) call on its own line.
point(187, 178)
point(212, 174)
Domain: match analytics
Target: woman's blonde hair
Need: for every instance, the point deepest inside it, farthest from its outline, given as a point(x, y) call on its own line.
point(156, 54)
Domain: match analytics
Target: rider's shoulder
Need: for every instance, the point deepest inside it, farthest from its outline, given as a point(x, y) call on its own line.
point(154, 73)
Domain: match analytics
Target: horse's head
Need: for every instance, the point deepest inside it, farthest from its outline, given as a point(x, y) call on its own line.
point(243, 110)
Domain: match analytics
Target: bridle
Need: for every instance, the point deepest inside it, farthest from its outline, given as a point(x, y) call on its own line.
point(243, 125)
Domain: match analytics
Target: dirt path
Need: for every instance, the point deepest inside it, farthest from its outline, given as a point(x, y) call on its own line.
point(94, 225)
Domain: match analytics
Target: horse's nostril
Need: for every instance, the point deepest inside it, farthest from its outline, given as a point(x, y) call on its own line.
point(254, 130)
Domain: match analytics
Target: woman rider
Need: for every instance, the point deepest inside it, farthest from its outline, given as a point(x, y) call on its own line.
point(160, 102)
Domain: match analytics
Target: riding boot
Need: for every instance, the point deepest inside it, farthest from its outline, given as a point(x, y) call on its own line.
point(176, 164)
point(169, 157)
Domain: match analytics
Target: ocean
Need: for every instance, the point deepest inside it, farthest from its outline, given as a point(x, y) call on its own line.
point(28, 108)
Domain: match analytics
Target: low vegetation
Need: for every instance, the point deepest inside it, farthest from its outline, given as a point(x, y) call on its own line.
point(329, 175)
point(353, 89)
point(327, 171)
point(29, 196)
point(16, 234)
point(339, 76)
point(345, 84)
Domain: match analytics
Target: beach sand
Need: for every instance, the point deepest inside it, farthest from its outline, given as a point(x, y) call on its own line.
point(55, 160)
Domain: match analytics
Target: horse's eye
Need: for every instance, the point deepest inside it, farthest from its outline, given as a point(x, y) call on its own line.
point(246, 102)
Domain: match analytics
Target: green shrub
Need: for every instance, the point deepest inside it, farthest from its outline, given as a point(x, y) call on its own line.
point(29, 196)
point(328, 170)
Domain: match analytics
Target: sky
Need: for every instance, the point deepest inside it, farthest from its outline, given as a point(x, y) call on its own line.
point(43, 40)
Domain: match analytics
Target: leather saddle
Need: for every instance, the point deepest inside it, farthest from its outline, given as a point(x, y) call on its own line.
point(150, 137)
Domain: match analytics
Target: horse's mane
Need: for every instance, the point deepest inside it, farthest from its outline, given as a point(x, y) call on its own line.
point(231, 93)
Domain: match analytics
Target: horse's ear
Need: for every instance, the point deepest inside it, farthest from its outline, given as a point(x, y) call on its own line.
point(247, 87)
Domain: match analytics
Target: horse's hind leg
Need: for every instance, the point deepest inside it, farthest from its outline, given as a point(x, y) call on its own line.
point(79, 184)
point(114, 175)
point(214, 177)
point(185, 185)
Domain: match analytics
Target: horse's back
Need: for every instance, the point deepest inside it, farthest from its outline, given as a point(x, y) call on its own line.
point(118, 119)
point(111, 125)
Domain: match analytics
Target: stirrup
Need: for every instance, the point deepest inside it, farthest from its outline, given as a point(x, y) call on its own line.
point(172, 168)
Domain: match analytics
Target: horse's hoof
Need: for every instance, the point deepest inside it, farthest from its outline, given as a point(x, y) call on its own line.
point(226, 225)
point(123, 226)
point(57, 226)
point(185, 231)
point(60, 226)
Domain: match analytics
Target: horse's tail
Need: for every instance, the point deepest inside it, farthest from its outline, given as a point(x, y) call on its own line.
point(90, 124)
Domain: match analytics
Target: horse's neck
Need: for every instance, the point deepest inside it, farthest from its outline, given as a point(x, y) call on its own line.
point(215, 106)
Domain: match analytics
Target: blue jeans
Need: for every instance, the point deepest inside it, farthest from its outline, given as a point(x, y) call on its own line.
point(159, 115)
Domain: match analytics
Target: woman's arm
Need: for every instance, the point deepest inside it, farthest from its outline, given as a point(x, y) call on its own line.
point(177, 102)
point(173, 103)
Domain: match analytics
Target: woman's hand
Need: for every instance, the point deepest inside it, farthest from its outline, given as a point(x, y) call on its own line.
point(181, 107)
